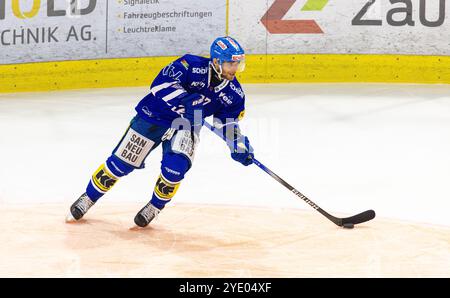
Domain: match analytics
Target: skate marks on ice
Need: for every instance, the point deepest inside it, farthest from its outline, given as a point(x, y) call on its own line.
point(214, 241)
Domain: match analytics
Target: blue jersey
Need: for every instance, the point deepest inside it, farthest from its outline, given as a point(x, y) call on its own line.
point(186, 76)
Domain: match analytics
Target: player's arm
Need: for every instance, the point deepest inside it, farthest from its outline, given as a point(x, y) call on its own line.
point(170, 86)
point(227, 120)
point(170, 82)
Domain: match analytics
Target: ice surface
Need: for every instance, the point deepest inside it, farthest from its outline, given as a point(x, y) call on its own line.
point(348, 147)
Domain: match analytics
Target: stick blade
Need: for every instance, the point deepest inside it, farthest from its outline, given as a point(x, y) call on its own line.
point(359, 218)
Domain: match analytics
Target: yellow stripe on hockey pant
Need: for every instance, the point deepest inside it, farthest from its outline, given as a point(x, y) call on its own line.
point(164, 189)
point(103, 179)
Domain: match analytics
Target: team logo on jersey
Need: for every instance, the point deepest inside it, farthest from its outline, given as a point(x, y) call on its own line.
point(169, 70)
point(185, 64)
point(222, 45)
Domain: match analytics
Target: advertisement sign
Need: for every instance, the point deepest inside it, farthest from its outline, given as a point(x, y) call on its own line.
point(56, 30)
point(415, 27)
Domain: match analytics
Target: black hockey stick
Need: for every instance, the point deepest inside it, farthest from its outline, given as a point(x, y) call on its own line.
point(347, 222)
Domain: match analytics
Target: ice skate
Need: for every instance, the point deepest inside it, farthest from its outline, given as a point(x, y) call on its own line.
point(146, 215)
point(79, 208)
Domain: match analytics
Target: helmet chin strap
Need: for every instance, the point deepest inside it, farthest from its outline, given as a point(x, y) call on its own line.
point(219, 73)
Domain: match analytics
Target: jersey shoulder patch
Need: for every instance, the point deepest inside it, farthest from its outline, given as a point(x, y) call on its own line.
point(194, 60)
point(195, 64)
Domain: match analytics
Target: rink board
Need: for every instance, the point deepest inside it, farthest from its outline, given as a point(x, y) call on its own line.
point(130, 72)
point(116, 44)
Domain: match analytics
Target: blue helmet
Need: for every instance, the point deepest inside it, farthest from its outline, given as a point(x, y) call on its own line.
point(227, 49)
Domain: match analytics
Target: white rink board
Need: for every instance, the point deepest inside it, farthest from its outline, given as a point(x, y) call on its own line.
point(107, 29)
point(339, 35)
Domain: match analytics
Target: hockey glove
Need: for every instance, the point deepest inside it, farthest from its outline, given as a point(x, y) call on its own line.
point(242, 151)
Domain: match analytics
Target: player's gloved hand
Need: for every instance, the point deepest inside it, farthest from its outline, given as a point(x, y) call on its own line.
point(242, 151)
point(193, 109)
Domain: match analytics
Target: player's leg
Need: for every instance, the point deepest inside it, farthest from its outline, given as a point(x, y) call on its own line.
point(101, 182)
point(177, 159)
point(139, 140)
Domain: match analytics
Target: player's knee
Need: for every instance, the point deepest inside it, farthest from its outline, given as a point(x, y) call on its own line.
point(118, 167)
point(174, 167)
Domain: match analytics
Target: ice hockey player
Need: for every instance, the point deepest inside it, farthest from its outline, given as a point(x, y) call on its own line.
point(184, 93)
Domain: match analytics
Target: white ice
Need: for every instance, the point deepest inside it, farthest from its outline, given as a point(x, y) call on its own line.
point(348, 147)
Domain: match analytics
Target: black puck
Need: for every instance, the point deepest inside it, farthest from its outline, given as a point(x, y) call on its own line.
point(348, 226)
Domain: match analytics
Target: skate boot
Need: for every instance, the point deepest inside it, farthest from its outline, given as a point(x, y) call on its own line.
point(146, 215)
point(80, 207)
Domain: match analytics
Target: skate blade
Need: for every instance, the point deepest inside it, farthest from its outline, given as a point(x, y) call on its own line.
point(70, 218)
point(135, 228)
